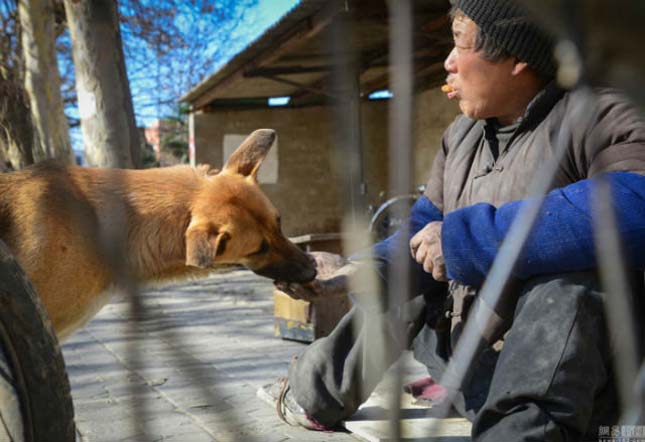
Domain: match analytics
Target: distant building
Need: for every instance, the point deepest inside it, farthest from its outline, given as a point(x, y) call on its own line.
point(168, 139)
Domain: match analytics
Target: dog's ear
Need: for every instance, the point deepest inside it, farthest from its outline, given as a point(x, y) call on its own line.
point(203, 246)
point(247, 158)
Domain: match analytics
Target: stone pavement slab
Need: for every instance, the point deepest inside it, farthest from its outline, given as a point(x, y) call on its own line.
point(189, 371)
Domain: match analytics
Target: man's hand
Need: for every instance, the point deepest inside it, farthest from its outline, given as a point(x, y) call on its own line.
point(331, 279)
point(425, 247)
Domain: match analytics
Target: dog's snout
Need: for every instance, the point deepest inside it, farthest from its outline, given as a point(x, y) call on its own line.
point(309, 274)
point(301, 269)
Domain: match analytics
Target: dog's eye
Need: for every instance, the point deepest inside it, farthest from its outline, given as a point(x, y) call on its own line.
point(264, 247)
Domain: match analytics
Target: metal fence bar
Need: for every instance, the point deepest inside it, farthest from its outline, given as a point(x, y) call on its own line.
point(348, 156)
point(113, 245)
point(139, 402)
point(348, 162)
point(617, 301)
point(400, 160)
point(349, 170)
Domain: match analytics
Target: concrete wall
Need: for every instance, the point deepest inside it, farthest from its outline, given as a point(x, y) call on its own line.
point(306, 192)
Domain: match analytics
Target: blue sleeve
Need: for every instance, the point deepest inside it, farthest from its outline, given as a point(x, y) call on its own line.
point(562, 238)
point(422, 212)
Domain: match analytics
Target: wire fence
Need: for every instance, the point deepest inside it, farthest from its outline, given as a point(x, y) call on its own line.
point(621, 323)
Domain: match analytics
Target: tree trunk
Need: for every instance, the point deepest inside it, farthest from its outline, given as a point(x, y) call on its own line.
point(16, 129)
point(42, 80)
point(104, 100)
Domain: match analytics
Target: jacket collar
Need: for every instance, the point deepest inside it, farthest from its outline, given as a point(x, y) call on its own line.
point(537, 109)
point(541, 105)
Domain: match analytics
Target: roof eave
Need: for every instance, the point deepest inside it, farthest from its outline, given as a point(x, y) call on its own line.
point(291, 27)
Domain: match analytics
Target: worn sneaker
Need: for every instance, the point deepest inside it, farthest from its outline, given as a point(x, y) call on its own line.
point(279, 395)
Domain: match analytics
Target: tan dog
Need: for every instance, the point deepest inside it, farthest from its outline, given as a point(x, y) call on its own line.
point(73, 229)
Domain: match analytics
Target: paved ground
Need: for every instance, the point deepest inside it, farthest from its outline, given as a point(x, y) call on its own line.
point(217, 332)
point(194, 368)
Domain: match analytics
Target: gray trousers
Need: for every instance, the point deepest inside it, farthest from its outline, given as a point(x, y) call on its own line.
point(551, 381)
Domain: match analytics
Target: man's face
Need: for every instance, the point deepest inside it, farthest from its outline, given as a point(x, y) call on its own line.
point(481, 86)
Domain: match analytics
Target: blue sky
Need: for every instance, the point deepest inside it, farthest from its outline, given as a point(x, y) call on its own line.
point(265, 14)
point(256, 21)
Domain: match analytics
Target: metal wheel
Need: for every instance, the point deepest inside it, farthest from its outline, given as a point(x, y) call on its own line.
point(35, 398)
point(385, 221)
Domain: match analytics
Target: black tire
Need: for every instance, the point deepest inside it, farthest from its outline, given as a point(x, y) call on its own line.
point(385, 220)
point(34, 357)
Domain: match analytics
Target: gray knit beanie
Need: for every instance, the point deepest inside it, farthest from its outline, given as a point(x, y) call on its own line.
point(510, 27)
